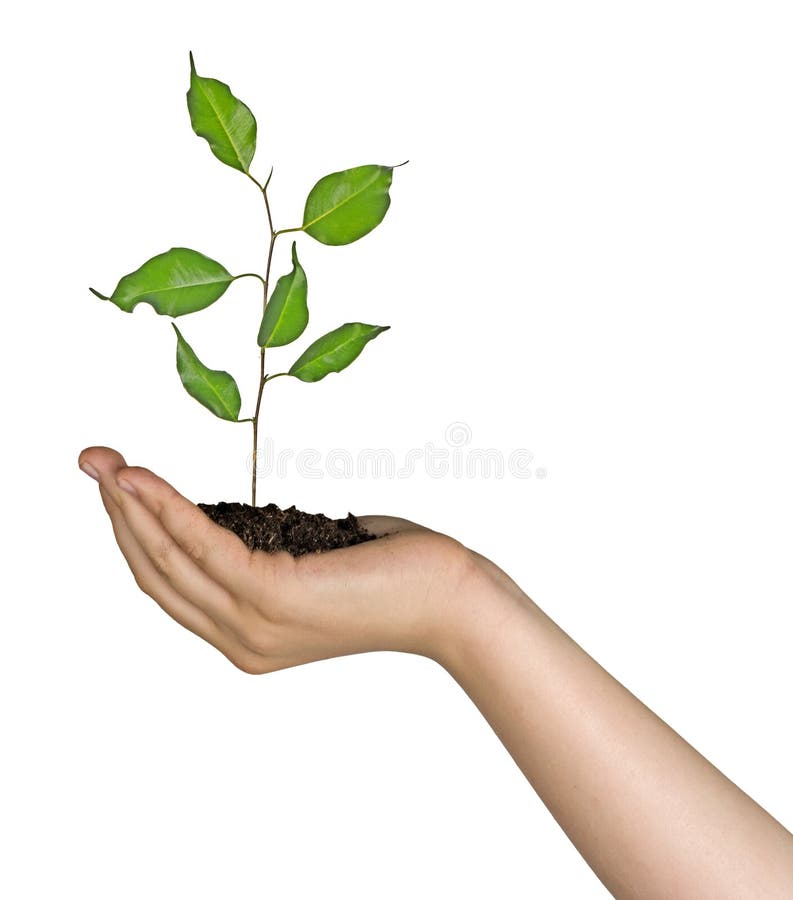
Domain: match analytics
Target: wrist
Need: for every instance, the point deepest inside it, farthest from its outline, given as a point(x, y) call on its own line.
point(482, 602)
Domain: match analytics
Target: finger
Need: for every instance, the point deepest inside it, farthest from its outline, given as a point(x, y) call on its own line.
point(152, 583)
point(94, 459)
point(178, 608)
point(216, 550)
point(168, 559)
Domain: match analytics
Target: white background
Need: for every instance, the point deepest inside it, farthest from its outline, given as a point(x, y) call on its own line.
point(588, 256)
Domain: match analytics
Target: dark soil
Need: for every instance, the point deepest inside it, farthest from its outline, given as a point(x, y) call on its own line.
point(271, 528)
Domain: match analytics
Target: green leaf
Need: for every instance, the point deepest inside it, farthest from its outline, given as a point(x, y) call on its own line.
point(175, 283)
point(226, 122)
point(344, 206)
point(216, 390)
point(335, 350)
point(286, 315)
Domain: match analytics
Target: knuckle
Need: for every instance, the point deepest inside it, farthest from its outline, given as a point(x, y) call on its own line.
point(144, 584)
point(272, 610)
point(253, 629)
point(162, 558)
point(194, 550)
point(256, 636)
point(248, 663)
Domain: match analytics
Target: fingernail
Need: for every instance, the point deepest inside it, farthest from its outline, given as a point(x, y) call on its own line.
point(90, 470)
point(126, 486)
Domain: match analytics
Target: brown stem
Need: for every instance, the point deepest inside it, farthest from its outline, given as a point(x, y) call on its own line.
point(262, 377)
point(255, 421)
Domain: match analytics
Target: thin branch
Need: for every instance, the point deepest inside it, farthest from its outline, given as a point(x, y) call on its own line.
point(262, 378)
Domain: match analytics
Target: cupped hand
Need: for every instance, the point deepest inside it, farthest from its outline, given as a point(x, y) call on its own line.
point(271, 611)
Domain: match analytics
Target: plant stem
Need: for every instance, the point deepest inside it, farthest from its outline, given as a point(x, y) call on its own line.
point(263, 379)
point(255, 421)
point(266, 282)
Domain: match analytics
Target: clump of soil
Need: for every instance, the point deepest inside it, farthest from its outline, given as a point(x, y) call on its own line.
point(272, 529)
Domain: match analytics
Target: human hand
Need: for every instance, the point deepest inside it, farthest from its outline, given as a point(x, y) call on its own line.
point(663, 822)
point(264, 611)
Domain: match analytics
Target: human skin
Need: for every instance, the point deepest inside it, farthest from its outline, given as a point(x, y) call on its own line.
point(650, 815)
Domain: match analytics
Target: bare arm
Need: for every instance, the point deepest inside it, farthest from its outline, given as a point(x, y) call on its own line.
point(651, 816)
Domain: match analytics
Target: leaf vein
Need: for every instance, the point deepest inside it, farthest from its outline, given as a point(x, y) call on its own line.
point(347, 199)
point(228, 133)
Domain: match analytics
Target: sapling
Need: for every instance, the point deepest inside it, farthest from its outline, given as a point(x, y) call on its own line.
point(341, 208)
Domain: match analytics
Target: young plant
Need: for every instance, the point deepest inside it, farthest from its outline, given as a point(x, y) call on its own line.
point(341, 208)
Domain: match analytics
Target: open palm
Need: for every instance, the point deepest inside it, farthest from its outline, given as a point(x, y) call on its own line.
point(271, 611)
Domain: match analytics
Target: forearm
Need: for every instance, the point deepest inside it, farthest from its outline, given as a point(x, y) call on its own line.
point(651, 816)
